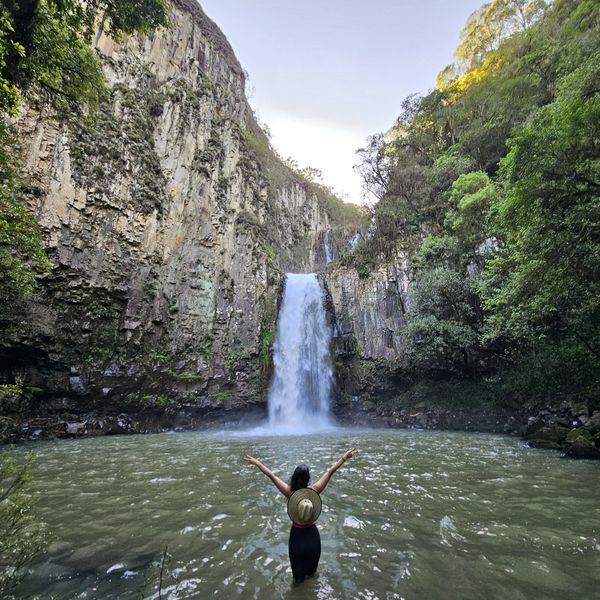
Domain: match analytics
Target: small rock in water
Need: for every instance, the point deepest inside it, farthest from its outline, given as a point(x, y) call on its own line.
point(75, 428)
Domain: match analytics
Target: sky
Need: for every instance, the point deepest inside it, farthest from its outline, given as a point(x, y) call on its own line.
point(326, 74)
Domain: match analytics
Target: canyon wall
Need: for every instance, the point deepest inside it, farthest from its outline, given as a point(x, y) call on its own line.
point(169, 222)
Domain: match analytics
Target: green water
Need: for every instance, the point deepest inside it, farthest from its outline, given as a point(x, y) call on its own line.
point(417, 515)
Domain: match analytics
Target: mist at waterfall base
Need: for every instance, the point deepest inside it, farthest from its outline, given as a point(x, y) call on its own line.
point(300, 392)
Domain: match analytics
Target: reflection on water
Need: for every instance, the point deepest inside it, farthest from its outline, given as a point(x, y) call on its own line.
point(417, 515)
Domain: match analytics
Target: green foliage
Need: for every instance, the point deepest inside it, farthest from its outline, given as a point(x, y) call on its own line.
point(444, 321)
point(232, 360)
point(22, 254)
point(346, 218)
point(11, 397)
point(257, 146)
point(491, 23)
point(548, 273)
point(156, 401)
point(546, 370)
point(223, 395)
point(9, 93)
point(492, 184)
point(437, 251)
point(21, 538)
point(45, 52)
point(447, 166)
point(471, 198)
point(58, 67)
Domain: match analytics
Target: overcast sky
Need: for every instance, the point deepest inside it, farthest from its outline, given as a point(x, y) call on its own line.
point(325, 74)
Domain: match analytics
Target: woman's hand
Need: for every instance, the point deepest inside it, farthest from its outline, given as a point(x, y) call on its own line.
point(250, 460)
point(349, 454)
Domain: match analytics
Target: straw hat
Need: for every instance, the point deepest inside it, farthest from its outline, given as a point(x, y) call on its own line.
point(304, 506)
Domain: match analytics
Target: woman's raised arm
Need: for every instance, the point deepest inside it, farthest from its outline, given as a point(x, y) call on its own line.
point(281, 485)
point(321, 484)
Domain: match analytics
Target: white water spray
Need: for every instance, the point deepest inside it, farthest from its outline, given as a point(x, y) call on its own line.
point(301, 387)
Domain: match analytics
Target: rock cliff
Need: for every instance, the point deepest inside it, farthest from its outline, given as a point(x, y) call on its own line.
point(369, 312)
point(169, 221)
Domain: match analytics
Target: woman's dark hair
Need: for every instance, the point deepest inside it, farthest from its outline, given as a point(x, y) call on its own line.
point(300, 477)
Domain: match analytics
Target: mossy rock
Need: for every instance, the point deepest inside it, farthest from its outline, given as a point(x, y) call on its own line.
point(583, 448)
point(578, 409)
point(594, 423)
point(545, 445)
point(578, 433)
point(552, 433)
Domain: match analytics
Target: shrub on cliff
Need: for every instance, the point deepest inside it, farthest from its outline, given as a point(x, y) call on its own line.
point(22, 254)
point(45, 55)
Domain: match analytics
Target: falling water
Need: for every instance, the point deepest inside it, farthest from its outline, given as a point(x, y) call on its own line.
point(299, 393)
point(328, 247)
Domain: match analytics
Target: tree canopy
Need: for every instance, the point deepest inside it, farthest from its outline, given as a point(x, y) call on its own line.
point(45, 46)
point(491, 184)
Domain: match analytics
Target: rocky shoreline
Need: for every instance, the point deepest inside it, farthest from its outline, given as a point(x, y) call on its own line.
point(71, 426)
point(572, 428)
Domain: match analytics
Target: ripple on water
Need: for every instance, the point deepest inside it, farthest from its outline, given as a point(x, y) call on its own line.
point(413, 512)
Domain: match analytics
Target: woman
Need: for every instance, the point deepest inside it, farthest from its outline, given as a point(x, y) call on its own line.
point(304, 507)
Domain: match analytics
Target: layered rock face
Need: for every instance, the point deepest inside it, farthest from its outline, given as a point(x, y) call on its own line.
point(369, 313)
point(368, 317)
point(169, 222)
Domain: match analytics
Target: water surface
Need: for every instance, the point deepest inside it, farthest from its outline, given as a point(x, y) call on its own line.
point(417, 515)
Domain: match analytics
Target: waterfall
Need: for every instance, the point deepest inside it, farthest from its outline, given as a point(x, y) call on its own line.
point(301, 386)
point(328, 247)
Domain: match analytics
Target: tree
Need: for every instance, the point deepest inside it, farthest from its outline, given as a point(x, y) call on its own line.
point(9, 93)
point(45, 52)
point(374, 165)
point(547, 276)
point(21, 538)
point(490, 24)
point(471, 199)
point(443, 323)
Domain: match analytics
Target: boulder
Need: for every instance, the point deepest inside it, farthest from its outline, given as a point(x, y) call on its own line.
point(421, 421)
point(75, 428)
point(578, 433)
point(593, 423)
point(553, 433)
point(534, 424)
point(579, 409)
point(583, 448)
point(545, 444)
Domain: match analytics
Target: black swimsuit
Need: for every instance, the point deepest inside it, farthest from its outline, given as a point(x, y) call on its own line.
point(305, 550)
